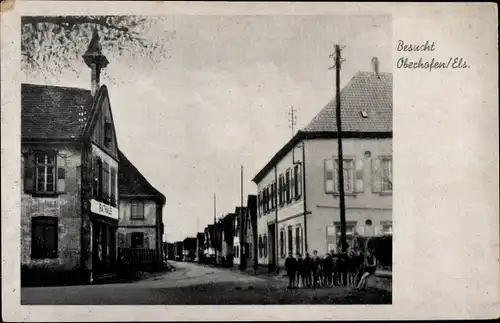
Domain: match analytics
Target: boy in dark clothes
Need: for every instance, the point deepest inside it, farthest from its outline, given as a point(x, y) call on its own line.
point(315, 262)
point(327, 270)
point(300, 269)
point(291, 270)
point(307, 270)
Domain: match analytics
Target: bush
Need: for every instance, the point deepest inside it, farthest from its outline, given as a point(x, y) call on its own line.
point(382, 246)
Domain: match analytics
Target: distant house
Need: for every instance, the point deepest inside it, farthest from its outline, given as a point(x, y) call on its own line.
point(189, 246)
point(69, 158)
point(170, 250)
point(250, 233)
point(200, 246)
point(227, 247)
point(140, 227)
point(179, 251)
point(237, 240)
point(209, 248)
point(298, 190)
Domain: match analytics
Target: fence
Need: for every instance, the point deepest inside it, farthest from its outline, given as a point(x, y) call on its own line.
point(137, 256)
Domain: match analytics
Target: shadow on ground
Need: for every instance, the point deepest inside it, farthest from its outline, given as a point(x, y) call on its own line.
point(230, 294)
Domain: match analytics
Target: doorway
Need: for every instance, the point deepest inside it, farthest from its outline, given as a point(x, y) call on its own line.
point(103, 247)
point(272, 245)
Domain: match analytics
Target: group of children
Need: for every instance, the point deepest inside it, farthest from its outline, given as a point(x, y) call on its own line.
point(334, 269)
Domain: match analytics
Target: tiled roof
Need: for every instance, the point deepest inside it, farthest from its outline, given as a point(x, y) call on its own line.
point(365, 93)
point(132, 182)
point(52, 112)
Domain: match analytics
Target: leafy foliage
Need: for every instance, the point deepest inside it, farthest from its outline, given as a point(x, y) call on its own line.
point(382, 246)
point(52, 43)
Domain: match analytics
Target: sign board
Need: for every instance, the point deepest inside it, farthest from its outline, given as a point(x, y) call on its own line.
point(103, 209)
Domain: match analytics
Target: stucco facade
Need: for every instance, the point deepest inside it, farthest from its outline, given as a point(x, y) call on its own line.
point(127, 225)
point(366, 204)
point(65, 206)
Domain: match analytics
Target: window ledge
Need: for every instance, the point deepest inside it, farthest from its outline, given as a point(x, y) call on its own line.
point(43, 257)
point(46, 194)
point(345, 194)
point(138, 219)
point(385, 193)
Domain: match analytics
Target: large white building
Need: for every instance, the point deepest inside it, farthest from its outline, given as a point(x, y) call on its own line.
point(298, 201)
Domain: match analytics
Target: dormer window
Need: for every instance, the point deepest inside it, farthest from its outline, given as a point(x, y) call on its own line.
point(364, 114)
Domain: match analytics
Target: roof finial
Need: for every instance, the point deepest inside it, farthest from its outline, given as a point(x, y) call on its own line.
point(95, 59)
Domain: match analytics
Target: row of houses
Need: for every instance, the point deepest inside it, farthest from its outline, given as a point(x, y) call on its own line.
point(296, 209)
point(85, 208)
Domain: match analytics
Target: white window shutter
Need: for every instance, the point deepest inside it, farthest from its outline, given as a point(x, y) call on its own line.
point(299, 181)
point(361, 230)
point(146, 242)
point(330, 186)
point(61, 173)
point(376, 179)
point(377, 230)
point(359, 178)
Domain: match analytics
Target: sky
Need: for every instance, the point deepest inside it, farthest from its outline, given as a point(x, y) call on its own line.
point(222, 98)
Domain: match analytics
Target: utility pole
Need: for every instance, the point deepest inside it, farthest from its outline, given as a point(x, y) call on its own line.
point(214, 231)
point(337, 66)
point(242, 266)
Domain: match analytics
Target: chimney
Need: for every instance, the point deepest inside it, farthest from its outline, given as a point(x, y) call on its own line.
point(94, 59)
point(375, 66)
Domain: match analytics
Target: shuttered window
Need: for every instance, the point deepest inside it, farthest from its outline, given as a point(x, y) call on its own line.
point(297, 176)
point(137, 210)
point(348, 171)
point(105, 182)
point(113, 187)
point(280, 190)
point(288, 186)
point(45, 173)
point(260, 247)
point(352, 173)
point(44, 237)
point(290, 239)
point(297, 240)
point(265, 245)
point(386, 176)
point(282, 243)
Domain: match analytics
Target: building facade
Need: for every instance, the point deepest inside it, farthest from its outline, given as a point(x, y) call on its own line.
point(298, 201)
point(140, 227)
point(69, 212)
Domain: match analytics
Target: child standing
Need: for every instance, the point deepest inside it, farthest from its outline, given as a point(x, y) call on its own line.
point(291, 270)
